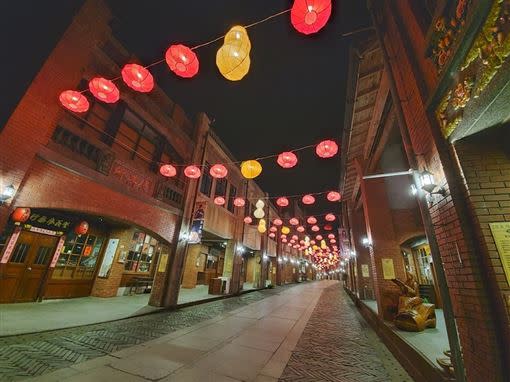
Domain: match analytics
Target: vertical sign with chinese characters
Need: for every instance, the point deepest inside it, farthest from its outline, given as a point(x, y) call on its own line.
point(56, 255)
point(501, 235)
point(10, 245)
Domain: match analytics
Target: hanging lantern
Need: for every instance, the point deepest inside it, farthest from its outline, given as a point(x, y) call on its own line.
point(20, 214)
point(311, 220)
point(182, 61)
point(82, 228)
point(287, 159)
point(233, 57)
point(285, 230)
point(333, 196)
point(300, 229)
point(137, 78)
point(312, 242)
point(261, 228)
point(332, 241)
point(74, 101)
point(251, 169)
point(262, 222)
point(168, 170)
point(318, 237)
point(239, 202)
point(192, 172)
point(310, 17)
point(326, 149)
point(104, 90)
point(259, 213)
point(282, 201)
point(218, 171)
point(308, 199)
point(330, 217)
point(277, 222)
point(273, 229)
point(328, 227)
point(315, 228)
point(219, 200)
point(289, 245)
point(295, 237)
point(284, 240)
point(331, 236)
point(292, 241)
point(248, 220)
point(294, 221)
point(272, 235)
point(260, 204)
point(283, 236)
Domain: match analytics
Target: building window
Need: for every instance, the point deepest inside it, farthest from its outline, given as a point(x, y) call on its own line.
point(78, 258)
point(142, 253)
point(221, 187)
point(206, 182)
point(231, 196)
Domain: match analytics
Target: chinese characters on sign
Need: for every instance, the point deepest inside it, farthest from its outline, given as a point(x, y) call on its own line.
point(501, 234)
point(10, 246)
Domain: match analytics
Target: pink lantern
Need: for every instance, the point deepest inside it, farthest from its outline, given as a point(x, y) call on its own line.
point(294, 221)
point(284, 240)
point(219, 200)
point(289, 245)
point(312, 242)
point(332, 241)
point(277, 222)
point(287, 159)
point(218, 171)
point(308, 199)
point(272, 235)
point(331, 236)
point(74, 101)
point(300, 229)
point(295, 237)
point(311, 220)
point(104, 90)
point(168, 170)
point(315, 228)
point(333, 196)
point(137, 78)
point(282, 201)
point(239, 202)
point(318, 237)
point(283, 236)
point(182, 60)
point(292, 241)
point(248, 220)
point(273, 229)
point(326, 149)
point(310, 16)
point(192, 172)
point(330, 217)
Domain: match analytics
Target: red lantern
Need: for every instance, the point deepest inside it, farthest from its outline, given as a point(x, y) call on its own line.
point(104, 90)
point(218, 171)
point(182, 61)
point(248, 220)
point(219, 200)
point(328, 227)
point(295, 237)
point(137, 78)
point(283, 236)
point(315, 228)
point(311, 220)
point(287, 159)
point(282, 201)
point(333, 196)
point(312, 242)
point(74, 101)
point(331, 236)
point(82, 228)
point(308, 199)
point(273, 229)
point(272, 235)
point(239, 202)
point(300, 229)
point(277, 222)
point(167, 170)
point(292, 241)
point(326, 149)
point(330, 217)
point(318, 237)
point(332, 241)
point(20, 215)
point(284, 240)
point(294, 221)
point(192, 172)
point(310, 16)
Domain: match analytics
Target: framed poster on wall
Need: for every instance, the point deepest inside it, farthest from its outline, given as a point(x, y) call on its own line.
point(109, 255)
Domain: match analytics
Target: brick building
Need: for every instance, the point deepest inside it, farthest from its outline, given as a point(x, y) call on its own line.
point(428, 92)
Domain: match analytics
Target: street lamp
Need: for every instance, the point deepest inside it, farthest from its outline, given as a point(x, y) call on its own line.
point(428, 184)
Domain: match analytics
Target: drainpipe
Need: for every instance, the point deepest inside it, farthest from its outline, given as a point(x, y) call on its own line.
point(451, 327)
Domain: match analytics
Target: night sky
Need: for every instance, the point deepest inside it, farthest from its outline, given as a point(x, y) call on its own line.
point(294, 94)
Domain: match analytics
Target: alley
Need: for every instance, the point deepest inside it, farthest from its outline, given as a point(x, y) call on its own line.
point(309, 332)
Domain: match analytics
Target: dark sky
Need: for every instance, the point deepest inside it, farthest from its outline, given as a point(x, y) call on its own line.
point(293, 96)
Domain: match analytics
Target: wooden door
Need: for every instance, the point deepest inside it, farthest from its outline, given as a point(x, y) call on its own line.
point(27, 266)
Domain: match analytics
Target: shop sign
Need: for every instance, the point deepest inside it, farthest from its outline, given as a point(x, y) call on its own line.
point(108, 257)
point(47, 223)
point(56, 255)
point(364, 270)
point(388, 269)
point(10, 245)
point(501, 235)
point(197, 225)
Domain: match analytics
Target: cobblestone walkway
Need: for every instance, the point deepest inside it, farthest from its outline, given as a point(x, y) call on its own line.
point(35, 354)
point(338, 345)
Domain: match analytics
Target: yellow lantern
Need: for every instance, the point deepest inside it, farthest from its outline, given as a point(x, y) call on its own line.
point(285, 230)
point(323, 244)
point(262, 222)
point(251, 169)
point(233, 57)
point(261, 228)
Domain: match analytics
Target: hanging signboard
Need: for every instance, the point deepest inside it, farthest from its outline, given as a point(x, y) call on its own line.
point(48, 222)
point(197, 225)
point(108, 257)
point(388, 269)
point(501, 235)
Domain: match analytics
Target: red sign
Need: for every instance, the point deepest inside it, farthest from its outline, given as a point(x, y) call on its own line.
point(10, 245)
point(56, 255)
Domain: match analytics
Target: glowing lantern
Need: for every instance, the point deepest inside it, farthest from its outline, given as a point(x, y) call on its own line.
point(289, 245)
point(260, 204)
point(326, 149)
point(284, 240)
point(219, 200)
point(233, 57)
point(82, 228)
point(273, 229)
point(104, 90)
point(259, 213)
point(315, 228)
point(312, 242)
point(218, 171)
point(333, 196)
point(294, 221)
point(308, 199)
point(285, 230)
point(283, 236)
point(310, 16)
point(331, 236)
point(192, 172)
point(318, 237)
point(272, 235)
point(328, 227)
point(167, 170)
point(330, 217)
point(287, 159)
point(20, 215)
point(251, 169)
point(332, 241)
point(248, 220)
point(182, 61)
point(292, 241)
point(239, 202)
point(262, 222)
point(261, 228)
point(74, 101)
point(323, 244)
point(294, 237)
point(282, 201)
point(311, 220)
point(277, 222)
point(137, 78)
point(300, 229)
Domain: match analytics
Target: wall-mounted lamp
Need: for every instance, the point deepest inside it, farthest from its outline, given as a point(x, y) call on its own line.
point(7, 193)
point(428, 184)
point(367, 243)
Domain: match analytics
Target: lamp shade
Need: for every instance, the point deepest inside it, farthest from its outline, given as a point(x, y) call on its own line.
point(239, 202)
point(333, 196)
point(192, 172)
point(294, 221)
point(326, 149)
point(277, 222)
point(20, 214)
point(74, 101)
point(330, 217)
point(287, 159)
point(248, 220)
point(104, 90)
point(310, 16)
point(251, 169)
point(282, 201)
point(219, 200)
point(308, 199)
point(233, 57)
point(137, 78)
point(182, 61)
point(168, 170)
point(218, 171)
